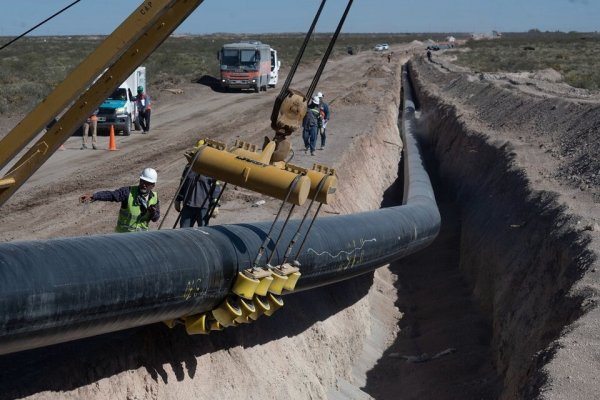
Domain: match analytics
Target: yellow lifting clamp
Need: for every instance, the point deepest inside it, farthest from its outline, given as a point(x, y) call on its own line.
point(216, 326)
point(197, 324)
point(261, 306)
point(292, 273)
point(248, 308)
point(265, 282)
point(252, 281)
point(170, 323)
point(227, 312)
point(275, 303)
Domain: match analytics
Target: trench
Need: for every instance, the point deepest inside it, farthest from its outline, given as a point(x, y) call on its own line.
point(513, 251)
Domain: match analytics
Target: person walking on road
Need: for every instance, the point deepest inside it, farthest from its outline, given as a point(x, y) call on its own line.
point(91, 123)
point(196, 195)
point(139, 204)
point(143, 105)
point(310, 126)
point(325, 118)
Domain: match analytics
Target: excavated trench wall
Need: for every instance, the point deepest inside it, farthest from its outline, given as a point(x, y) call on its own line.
point(520, 251)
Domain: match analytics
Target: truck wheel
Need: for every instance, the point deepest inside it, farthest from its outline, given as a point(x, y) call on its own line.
point(257, 88)
point(136, 124)
point(127, 127)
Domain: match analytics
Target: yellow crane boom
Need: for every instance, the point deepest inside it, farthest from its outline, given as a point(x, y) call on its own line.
point(80, 93)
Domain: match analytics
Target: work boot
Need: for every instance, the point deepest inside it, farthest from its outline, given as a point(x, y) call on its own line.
point(83, 147)
point(94, 146)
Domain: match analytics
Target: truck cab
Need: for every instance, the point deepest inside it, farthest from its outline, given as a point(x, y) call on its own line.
point(245, 65)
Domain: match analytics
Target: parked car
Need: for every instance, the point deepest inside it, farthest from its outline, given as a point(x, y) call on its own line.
point(385, 46)
point(378, 47)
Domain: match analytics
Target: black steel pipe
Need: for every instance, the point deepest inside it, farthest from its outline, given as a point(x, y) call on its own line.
point(57, 290)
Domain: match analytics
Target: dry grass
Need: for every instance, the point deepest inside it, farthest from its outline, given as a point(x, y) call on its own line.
point(575, 55)
point(32, 66)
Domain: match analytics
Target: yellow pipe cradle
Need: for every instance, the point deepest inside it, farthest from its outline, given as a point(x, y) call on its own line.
point(250, 174)
point(316, 174)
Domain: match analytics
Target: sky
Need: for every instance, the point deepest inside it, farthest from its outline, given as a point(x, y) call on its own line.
point(91, 17)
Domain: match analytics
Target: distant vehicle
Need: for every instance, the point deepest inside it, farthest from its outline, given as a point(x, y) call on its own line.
point(385, 46)
point(120, 109)
point(275, 65)
point(378, 47)
point(245, 65)
point(440, 46)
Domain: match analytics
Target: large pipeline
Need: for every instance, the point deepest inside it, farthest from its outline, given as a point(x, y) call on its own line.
point(58, 290)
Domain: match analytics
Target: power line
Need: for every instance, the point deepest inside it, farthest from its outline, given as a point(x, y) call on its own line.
point(40, 24)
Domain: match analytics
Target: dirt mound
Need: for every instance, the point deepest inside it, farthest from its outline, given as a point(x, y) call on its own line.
point(354, 98)
point(378, 71)
point(548, 74)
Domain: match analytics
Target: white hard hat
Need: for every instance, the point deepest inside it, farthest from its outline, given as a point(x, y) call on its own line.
point(320, 94)
point(316, 100)
point(149, 175)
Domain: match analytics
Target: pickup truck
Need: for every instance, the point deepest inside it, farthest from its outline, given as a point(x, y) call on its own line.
point(119, 109)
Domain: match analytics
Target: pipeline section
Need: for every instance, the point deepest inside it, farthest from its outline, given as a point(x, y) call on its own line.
point(57, 290)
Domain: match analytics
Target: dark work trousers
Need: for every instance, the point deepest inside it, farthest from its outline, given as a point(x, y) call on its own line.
point(193, 215)
point(310, 138)
point(323, 136)
point(144, 119)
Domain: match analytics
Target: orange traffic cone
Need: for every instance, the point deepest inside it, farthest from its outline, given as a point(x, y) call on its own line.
point(112, 144)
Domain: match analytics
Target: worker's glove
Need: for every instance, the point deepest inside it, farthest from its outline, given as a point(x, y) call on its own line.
point(215, 212)
point(86, 198)
point(178, 206)
point(152, 211)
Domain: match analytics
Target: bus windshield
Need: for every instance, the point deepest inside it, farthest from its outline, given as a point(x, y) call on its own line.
point(240, 58)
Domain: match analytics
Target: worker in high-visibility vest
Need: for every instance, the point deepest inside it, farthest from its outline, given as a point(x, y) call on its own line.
point(139, 204)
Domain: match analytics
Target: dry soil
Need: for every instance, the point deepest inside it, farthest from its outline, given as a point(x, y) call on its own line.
point(454, 321)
